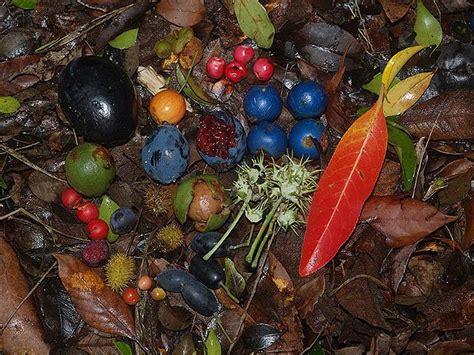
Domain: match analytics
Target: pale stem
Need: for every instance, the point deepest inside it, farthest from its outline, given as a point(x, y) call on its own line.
point(269, 232)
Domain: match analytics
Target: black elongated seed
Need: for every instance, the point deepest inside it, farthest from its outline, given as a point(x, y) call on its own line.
point(200, 298)
point(173, 280)
point(208, 272)
point(203, 242)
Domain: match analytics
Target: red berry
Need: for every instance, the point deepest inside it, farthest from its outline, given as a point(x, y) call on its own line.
point(130, 296)
point(95, 253)
point(235, 72)
point(97, 229)
point(71, 198)
point(263, 68)
point(243, 54)
point(215, 67)
point(87, 212)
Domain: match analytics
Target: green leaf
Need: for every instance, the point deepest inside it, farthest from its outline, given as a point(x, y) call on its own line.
point(361, 110)
point(213, 346)
point(106, 209)
point(406, 154)
point(8, 104)
point(427, 27)
point(192, 89)
point(25, 4)
point(123, 348)
point(3, 184)
point(374, 84)
point(125, 40)
point(234, 281)
point(254, 22)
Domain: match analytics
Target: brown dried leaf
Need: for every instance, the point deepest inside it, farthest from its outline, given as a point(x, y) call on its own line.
point(23, 334)
point(182, 12)
point(394, 10)
point(191, 54)
point(99, 306)
point(403, 221)
point(453, 113)
point(44, 187)
point(388, 180)
point(308, 295)
point(455, 168)
point(468, 237)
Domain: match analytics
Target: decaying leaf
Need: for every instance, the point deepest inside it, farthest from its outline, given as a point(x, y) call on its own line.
point(468, 237)
point(99, 306)
point(308, 295)
point(448, 116)
point(23, 333)
point(260, 336)
point(395, 10)
point(403, 221)
point(183, 13)
point(254, 22)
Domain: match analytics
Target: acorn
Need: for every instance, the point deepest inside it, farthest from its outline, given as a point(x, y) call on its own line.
point(170, 238)
point(119, 270)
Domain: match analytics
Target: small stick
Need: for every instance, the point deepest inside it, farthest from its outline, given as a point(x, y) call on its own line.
point(26, 161)
point(27, 296)
point(23, 148)
point(361, 276)
point(50, 229)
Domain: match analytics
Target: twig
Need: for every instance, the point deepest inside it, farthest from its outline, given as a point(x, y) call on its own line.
point(50, 229)
point(361, 276)
point(82, 30)
point(4, 326)
point(92, 7)
point(26, 161)
point(23, 148)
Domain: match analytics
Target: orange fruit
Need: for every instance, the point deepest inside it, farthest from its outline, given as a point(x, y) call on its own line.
point(167, 106)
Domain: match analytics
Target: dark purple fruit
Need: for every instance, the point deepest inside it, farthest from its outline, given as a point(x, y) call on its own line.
point(173, 280)
point(98, 98)
point(208, 272)
point(200, 298)
point(123, 220)
point(202, 243)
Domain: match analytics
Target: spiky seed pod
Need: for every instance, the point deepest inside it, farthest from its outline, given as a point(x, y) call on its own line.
point(119, 270)
point(169, 238)
point(159, 200)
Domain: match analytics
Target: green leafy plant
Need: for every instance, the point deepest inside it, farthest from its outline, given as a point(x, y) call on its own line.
point(25, 4)
point(427, 27)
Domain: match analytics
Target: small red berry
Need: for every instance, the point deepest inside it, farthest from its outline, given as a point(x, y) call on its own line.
point(71, 198)
point(130, 296)
point(235, 72)
point(215, 67)
point(97, 229)
point(263, 69)
point(243, 54)
point(87, 212)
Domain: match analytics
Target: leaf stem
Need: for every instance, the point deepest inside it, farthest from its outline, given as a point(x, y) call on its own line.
point(256, 242)
point(230, 229)
point(229, 293)
point(270, 232)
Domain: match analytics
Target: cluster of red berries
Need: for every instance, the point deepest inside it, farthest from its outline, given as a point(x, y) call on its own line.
point(131, 296)
point(236, 70)
point(86, 212)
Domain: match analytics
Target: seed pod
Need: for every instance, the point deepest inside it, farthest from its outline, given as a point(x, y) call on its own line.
point(202, 243)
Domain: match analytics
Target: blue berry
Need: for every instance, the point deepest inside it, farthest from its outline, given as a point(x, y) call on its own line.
point(123, 220)
point(301, 138)
point(269, 137)
point(262, 103)
point(307, 99)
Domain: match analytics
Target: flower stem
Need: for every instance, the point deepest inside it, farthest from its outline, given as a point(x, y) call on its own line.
point(269, 232)
point(230, 229)
point(256, 242)
point(229, 293)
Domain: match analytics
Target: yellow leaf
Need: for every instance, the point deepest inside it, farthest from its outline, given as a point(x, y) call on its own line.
point(397, 62)
point(404, 95)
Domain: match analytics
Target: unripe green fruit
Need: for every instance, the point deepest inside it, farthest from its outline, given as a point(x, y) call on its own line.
point(90, 169)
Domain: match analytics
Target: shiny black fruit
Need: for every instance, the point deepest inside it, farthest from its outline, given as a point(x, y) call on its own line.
point(99, 100)
point(173, 279)
point(208, 272)
point(202, 243)
point(200, 298)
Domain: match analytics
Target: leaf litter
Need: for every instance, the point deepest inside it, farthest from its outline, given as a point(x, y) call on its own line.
point(400, 283)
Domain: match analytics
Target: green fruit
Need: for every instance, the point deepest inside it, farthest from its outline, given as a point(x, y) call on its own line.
point(204, 200)
point(163, 49)
point(184, 36)
point(90, 169)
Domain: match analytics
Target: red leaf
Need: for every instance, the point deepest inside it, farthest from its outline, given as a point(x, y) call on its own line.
point(345, 185)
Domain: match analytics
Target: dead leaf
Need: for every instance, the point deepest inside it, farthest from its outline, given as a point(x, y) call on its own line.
point(450, 115)
point(191, 54)
point(388, 180)
point(403, 221)
point(99, 306)
point(395, 265)
point(23, 333)
point(44, 187)
point(308, 295)
point(182, 12)
point(394, 10)
point(361, 298)
point(468, 237)
point(451, 347)
point(455, 168)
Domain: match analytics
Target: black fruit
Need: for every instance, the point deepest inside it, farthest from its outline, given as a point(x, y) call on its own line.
point(99, 100)
point(202, 243)
point(173, 279)
point(200, 298)
point(208, 272)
